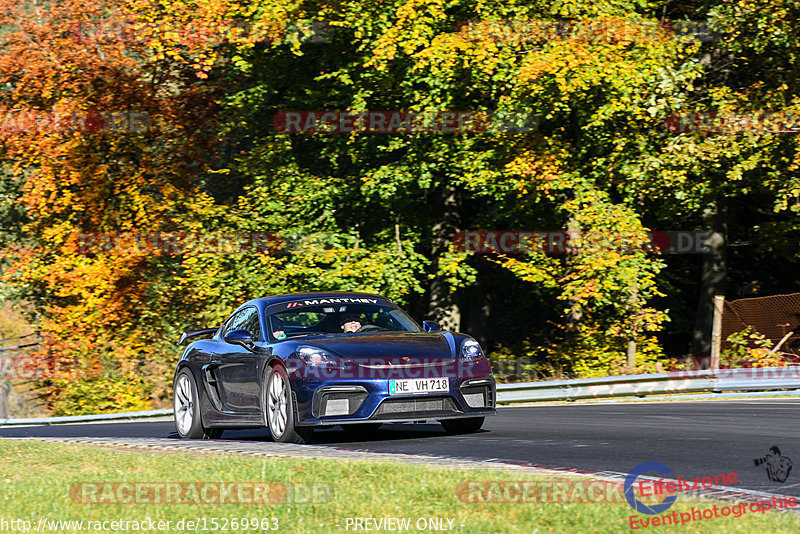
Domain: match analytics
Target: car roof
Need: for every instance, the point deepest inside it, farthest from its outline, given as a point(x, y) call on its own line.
point(263, 302)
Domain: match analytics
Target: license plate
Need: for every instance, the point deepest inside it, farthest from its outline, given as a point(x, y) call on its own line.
point(413, 386)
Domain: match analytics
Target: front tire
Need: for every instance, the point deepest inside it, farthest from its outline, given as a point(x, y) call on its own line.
point(462, 426)
point(279, 410)
point(186, 409)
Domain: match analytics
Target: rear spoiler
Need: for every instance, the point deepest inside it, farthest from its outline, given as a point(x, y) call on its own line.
point(189, 334)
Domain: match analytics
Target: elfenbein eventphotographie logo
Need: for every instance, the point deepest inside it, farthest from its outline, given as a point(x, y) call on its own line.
point(630, 484)
point(657, 515)
point(775, 464)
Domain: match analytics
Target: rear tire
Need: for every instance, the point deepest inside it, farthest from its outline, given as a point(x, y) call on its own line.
point(186, 409)
point(462, 426)
point(279, 410)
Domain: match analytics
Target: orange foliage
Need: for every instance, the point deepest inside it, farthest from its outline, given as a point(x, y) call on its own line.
point(113, 158)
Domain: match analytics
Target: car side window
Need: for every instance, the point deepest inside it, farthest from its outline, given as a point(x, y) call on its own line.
point(246, 319)
point(235, 322)
point(251, 323)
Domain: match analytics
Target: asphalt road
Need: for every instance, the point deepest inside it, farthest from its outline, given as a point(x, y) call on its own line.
point(695, 439)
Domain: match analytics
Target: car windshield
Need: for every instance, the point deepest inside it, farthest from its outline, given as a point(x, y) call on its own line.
point(316, 320)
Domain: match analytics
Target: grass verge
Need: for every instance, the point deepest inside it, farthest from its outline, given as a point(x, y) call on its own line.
point(50, 480)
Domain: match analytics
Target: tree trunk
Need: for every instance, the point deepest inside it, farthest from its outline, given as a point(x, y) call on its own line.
point(476, 309)
point(5, 387)
point(442, 306)
point(712, 281)
point(630, 355)
point(573, 318)
point(4, 392)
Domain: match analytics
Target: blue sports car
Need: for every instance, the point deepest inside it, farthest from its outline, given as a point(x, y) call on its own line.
point(300, 361)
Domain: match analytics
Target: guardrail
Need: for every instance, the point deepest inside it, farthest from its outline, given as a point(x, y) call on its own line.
point(85, 418)
point(755, 379)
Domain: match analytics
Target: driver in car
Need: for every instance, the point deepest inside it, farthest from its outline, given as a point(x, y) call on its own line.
point(277, 325)
point(350, 323)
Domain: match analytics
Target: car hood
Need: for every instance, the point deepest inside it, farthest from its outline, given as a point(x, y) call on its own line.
point(390, 346)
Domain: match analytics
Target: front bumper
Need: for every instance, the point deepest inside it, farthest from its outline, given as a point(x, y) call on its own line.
point(323, 403)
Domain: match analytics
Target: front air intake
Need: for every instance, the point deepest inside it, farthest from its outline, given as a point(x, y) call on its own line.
point(338, 401)
point(478, 393)
point(413, 408)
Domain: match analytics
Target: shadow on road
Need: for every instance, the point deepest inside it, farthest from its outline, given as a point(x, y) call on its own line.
point(339, 436)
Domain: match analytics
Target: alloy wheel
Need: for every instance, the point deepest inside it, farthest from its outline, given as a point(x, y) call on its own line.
point(184, 405)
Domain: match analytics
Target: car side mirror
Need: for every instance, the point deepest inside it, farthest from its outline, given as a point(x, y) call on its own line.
point(430, 326)
point(239, 337)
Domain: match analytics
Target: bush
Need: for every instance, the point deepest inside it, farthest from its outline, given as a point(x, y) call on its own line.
point(750, 349)
point(591, 352)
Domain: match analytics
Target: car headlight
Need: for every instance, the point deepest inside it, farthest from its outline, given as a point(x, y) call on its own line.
point(471, 351)
point(314, 357)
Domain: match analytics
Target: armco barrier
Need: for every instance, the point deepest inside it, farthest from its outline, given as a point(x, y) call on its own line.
point(85, 418)
point(761, 379)
point(756, 379)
